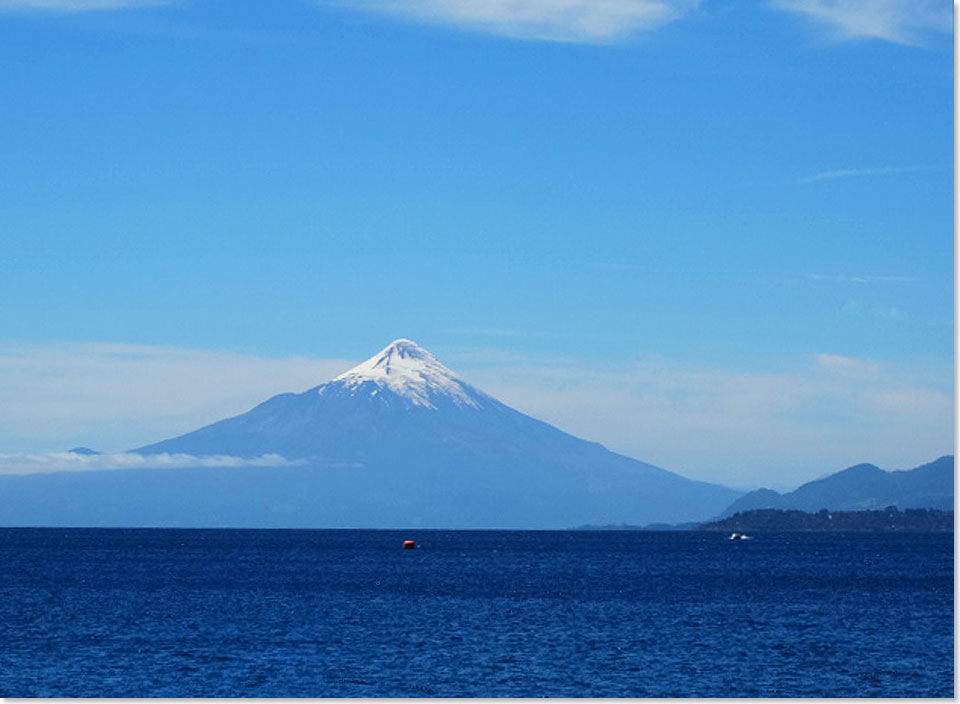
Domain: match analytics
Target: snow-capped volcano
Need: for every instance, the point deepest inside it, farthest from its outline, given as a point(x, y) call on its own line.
point(400, 440)
point(410, 372)
point(400, 395)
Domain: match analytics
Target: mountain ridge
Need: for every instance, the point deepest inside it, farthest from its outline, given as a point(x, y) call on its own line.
point(861, 487)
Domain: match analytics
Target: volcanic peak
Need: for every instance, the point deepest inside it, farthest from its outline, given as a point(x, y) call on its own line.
point(411, 372)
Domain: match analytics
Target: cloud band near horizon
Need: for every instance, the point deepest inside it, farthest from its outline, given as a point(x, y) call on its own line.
point(725, 425)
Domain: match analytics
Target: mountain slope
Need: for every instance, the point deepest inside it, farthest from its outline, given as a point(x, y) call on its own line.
point(863, 486)
point(400, 398)
point(399, 440)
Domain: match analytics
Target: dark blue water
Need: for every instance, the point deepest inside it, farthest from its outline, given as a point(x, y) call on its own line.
point(179, 613)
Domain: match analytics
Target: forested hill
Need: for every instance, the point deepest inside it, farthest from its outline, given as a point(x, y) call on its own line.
point(860, 488)
point(891, 519)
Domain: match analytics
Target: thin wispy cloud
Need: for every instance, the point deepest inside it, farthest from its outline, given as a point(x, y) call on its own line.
point(855, 306)
point(495, 332)
point(911, 22)
point(76, 5)
point(890, 313)
point(839, 361)
point(620, 266)
point(848, 279)
point(45, 462)
point(851, 173)
point(585, 21)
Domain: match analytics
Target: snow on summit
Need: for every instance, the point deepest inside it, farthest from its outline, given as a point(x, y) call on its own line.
point(402, 440)
point(411, 372)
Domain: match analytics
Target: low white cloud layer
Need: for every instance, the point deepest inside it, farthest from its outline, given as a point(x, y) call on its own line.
point(744, 428)
point(43, 462)
point(589, 21)
point(900, 21)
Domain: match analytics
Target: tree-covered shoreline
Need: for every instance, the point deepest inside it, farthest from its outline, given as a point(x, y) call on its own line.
point(888, 520)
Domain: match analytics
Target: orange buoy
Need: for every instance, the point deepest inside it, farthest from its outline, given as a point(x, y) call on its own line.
point(409, 545)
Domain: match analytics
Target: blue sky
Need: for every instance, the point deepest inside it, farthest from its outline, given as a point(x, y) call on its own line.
point(640, 211)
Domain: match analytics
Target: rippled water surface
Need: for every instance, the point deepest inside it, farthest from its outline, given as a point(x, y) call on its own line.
point(211, 613)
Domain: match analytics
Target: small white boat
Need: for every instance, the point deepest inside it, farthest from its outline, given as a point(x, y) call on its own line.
point(739, 536)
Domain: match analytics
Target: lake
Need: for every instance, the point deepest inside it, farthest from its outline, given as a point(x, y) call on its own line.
point(349, 613)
